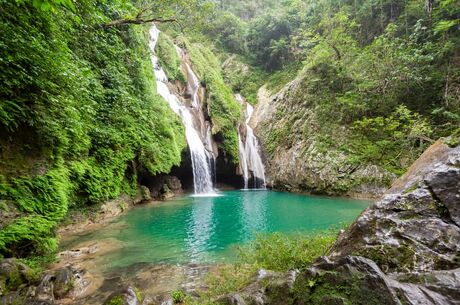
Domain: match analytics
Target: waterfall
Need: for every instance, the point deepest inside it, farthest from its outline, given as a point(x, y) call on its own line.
point(200, 155)
point(193, 85)
point(243, 161)
point(250, 159)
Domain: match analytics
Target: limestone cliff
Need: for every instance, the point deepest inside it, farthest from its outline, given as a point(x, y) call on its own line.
point(305, 154)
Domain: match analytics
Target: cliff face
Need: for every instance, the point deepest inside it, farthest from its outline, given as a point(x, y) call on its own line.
point(305, 154)
point(404, 249)
point(416, 226)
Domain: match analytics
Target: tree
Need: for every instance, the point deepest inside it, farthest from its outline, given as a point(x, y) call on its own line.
point(162, 11)
point(228, 30)
point(49, 5)
point(268, 39)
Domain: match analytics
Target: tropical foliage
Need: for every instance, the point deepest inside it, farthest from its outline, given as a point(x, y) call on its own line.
point(79, 115)
point(391, 66)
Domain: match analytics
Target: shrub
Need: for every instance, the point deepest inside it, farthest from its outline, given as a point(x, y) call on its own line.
point(178, 296)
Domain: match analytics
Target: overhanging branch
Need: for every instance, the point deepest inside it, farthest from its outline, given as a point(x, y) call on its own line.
point(119, 22)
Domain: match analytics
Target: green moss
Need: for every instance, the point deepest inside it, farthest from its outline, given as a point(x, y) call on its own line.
point(277, 80)
point(412, 188)
point(332, 287)
point(116, 300)
point(401, 258)
point(168, 58)
point(223, 109)
point(139, 295)
point(243, 77)
point(454, 139)
point(178, 296)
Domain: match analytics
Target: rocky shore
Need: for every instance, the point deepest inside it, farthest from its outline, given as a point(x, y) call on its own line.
point(404, 249)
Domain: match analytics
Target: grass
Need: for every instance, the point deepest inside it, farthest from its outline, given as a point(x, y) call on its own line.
point(281, 252)
point(276, 251)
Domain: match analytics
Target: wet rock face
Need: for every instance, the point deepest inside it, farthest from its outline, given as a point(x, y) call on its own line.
point(161, 187)
point(14, 274)
point(299, 158)
point(415, 227)
point(405, 249)
point(129, 296)
point(267, 288)
point(358, 280)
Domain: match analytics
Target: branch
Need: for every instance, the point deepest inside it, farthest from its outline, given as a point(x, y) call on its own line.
point(119, 22)
point(337, 52)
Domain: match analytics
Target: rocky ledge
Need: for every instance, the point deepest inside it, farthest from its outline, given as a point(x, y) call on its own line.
point(405, 249)
point(304, 155)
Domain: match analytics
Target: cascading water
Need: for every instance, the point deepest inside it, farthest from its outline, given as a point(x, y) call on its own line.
point(250, 159)
point(201, 163)
point(193, 86)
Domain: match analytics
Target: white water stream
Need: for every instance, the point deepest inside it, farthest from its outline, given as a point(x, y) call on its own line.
point(250, 160)
point(201, 155)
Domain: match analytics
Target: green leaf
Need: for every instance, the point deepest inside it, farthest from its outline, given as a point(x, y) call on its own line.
point(45, 6)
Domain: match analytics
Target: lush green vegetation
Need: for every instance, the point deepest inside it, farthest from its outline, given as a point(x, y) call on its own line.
point(276, 251)
point(223, 109)
point(79, 115)
point(281, 252)
point(387, 70)
point(169, 59)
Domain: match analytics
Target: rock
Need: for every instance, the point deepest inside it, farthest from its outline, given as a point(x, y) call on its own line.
point(231, 299)
point(268, 287)
point(171, 187)
point(45, 291)
point(67, 283)
point(297, 160)
point(405, 249)
point(173, 183)
point(63, 282)
point(164, 187)
point(129, 296)
point(345, 281)
point(145, 193)
point(13, 274)
point(414, 227)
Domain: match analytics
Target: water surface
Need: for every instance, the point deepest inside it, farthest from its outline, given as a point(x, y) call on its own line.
point(207, 230)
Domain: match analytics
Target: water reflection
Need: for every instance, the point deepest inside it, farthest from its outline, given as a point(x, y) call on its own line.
point(205, 230)
point(253, 216)
point(200, 226)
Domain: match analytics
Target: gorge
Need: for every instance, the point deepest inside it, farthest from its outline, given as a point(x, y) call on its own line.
point(203, 152)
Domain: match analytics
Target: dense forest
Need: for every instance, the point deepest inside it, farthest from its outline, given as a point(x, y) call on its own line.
point(376, 81)
point(388, 70)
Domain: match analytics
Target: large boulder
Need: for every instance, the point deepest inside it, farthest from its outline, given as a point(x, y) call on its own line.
point(416, 226)
point(404, 249)
point(359, 281)
point(14, 274)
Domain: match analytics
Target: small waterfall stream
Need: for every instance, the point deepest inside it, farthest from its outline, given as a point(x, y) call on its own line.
point(201, 153)
point(250, 160)
point(193, 86)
